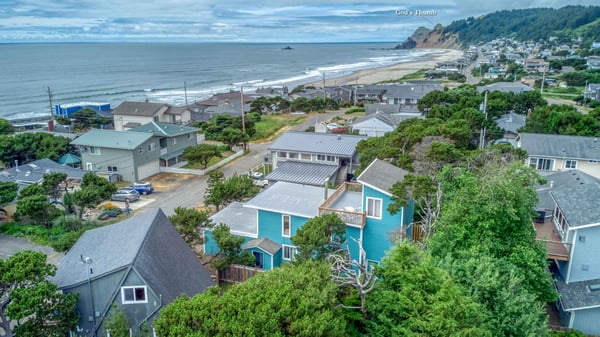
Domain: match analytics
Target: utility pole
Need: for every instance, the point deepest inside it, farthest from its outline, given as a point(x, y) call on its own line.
point(543, 80)
point(51, 122)
point(242, 105)
point(482, 136)
point(185, 93)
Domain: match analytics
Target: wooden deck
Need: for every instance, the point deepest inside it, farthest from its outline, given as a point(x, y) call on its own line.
point(548, 234)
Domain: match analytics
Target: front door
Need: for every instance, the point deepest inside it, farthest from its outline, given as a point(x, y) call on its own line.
point(258, 258)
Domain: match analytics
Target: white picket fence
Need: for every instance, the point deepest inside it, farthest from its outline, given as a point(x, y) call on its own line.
point(179, 170)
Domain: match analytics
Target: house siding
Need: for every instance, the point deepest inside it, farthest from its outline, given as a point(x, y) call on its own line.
point(136, 313)
point(587, 321)
point(584, 165)
point(122, 159)
point(270, 225)
point(267, 265)
point(376, 238)
point(372, 128)
point(585, 255)
point(182, 142)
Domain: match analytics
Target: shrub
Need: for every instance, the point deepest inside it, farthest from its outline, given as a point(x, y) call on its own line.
point(354, 110)
point(109, 206)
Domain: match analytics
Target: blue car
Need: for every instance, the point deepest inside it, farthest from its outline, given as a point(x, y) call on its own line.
point(143, 187)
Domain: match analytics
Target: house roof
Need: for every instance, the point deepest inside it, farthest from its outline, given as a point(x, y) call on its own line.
point(240, 220)
point(559, 146)
point(265, 244)
point(576, 193)
point(577, 295)
point(147, 242)
point(322, 143)
point(381, 175)
point(161, 129)
point(140, 109)
point(289, 198)
point(373, 108)
point(127, 140)
point(303, 172)
point(515, 87)
point(411, 90)
point(34, 172)
point(511, 122)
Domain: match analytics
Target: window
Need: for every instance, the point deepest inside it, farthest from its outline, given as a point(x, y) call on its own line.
point(95, 150)
point(281, 154)
point(323, 157)
point(288, 252)
point(189, 136)
point(141, 149)
point(174, 141)
point(593, 162)
point(571, 164)
point(151, 147)
point(305, 156)
point(543, 164)
point(286, 227)
point(134, 295)
point(293, 155)
point(374, 208)
point(111, 168)
point(155, 118)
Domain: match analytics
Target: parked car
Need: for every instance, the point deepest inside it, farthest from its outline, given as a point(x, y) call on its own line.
point(143, 187)
point(125, 194)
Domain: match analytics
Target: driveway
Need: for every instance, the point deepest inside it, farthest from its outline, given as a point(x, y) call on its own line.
point(10, 245)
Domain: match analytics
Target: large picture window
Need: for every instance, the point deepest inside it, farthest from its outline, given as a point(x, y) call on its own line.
point(134, 295)
point(374, 208)
point(543, 164)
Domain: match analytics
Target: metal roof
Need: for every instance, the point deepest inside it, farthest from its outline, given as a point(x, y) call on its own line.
point(240, 220)
point(127, 140)
point(514, 87)
point(303, 172)
point(34, 172)
point(139, 109)
point(289, 198)
point(323, 143)
point(381, 175)
point(559, 146)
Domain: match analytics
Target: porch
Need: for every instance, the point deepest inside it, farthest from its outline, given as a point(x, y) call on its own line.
point(346, 202)
point(547, 233)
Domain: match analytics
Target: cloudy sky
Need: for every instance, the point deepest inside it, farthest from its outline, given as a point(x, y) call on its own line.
point(237, 20)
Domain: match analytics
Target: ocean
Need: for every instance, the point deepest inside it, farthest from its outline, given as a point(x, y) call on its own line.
point(159, 72)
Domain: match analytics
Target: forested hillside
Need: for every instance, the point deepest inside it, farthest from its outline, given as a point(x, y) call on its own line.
point(529, 24)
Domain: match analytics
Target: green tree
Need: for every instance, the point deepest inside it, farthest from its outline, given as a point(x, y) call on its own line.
point(5, 127)
point(294, 300)
point(417, 298)
point(88, 118)
point(231, 136)
point(190, 222)
point(202, 153)
point(26, 147)
point(26, 295)
point(116, 324)
point(8, 192)
point(221, 191)
point(319, 237)
point(214, 193)
point(93, 191)
point(230, 249)
point(36, 209)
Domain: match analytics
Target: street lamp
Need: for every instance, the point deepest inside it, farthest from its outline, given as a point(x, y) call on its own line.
point(89, 271)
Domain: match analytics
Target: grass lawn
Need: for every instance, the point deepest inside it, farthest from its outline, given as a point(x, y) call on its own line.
point(417, 75)
point(212, 161)
point(269, 125)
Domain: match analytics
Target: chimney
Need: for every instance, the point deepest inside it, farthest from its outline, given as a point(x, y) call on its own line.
point(51, 125)
point(326, 190)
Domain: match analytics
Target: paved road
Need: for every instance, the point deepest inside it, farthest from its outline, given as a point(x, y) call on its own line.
point(10, 245)
point(559, 101)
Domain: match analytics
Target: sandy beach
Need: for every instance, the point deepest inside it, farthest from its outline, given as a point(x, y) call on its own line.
point(393, 72)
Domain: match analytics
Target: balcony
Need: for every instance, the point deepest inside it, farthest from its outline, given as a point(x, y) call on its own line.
point(163, 151)
point(548, 234)
point(346, 202)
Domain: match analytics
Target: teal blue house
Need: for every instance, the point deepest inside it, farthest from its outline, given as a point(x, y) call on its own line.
point(269, 220)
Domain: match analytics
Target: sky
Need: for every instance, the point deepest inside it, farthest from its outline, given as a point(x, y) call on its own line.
point(284, 21)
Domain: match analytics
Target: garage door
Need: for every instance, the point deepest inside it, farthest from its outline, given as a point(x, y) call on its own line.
point(148, 169)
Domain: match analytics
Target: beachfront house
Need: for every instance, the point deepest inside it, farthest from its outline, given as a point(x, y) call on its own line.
point(313, 158)
point(129, 115)
point(269, 220)
point(569, 225)
point(227, 103)
point(407, 95)
point(514, 87)
point(138, 265)
point(551, 153)
point(172, 140)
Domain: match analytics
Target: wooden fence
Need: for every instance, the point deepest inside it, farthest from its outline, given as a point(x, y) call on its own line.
point(237, 273)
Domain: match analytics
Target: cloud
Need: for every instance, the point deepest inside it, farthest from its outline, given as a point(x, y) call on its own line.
point(237, 20)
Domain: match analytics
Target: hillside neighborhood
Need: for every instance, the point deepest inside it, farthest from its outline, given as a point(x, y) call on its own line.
point(489, 165)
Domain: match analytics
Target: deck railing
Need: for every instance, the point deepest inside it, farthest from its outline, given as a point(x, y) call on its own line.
point(349, 217)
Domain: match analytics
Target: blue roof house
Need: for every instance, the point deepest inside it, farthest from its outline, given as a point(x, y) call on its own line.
point(271, 219)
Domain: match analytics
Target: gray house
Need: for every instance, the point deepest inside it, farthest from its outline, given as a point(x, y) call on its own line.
point(33, 173)
point(129, 155)
point(570, 228)
point(313, 158)
point(514, 87)
point(172, 140)
point(131, 114)
point(592, 91)
point(407, 95)
point(140, 265)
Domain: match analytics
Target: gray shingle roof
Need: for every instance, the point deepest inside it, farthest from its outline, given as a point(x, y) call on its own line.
point(34, 172)
point(288, 198)
point(515, 87)
point(381, 175)
point(161, 129)
point(576, 295)
point(380, 107)
point(511, 122)
point(575, 147)
point(323, 143)
point(577, 195)
point(241, 220)
point(139, 109)
point(147, 242)
point(303, 172)
point(264, 244)
point(411, 90)
point(126, 140)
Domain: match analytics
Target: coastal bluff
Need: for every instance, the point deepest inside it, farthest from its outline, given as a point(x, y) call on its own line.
point(430, 38)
